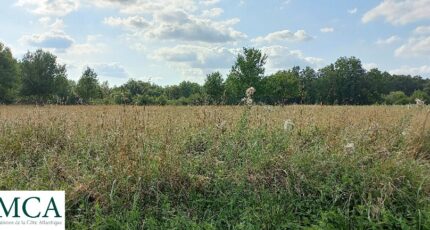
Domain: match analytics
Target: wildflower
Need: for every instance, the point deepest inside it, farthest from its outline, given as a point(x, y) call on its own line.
point(349, 148)
point(384, 152)
point(249, 92)
point(248, 99)
point(419, 102)
point(288, 125)
point(221, 125)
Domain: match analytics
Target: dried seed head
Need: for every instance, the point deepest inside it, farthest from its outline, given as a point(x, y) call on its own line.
point(349, 148)
point(419, 102)
point(249, 101)
point(221, 125)
point(249, 92)
point(288, 125)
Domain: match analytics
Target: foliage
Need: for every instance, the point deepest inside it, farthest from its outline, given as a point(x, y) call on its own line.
point(419, 94)
point(88, 86)
point(214, 88)
point(396, 98)
point(8, 75)
point(281, 87)
point(40, 73)
point(247, 71)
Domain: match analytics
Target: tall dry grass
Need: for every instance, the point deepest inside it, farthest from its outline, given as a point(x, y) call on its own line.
point(126, 167)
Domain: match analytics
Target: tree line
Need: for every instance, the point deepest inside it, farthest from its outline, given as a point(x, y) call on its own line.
point(38, 78)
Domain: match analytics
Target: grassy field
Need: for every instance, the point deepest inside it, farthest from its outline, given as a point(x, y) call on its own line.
point(224, 167)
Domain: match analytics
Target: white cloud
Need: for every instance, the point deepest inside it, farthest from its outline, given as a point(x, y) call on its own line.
point(284, 35)
point(327, 29)
point(388, 41)
point(50, 24)
point(45, 21)
point(110, 70)
point(369, 66)
point(399, 12)
point(147, 7)
point(418, 45)
point(57, 40)
point(195, 61)
point(408, 70)
point(196, 30)
point(129, 22)
point(352, 11)
point(172, 20)
point(113, 3)
point(415, 47)
point(50, 7)
point(422, 30)
point(91, 46)
point(180, 25)
point(281, 57)
point(214, 12)
point(284, 4)
point(204, 57)
point(209, 2)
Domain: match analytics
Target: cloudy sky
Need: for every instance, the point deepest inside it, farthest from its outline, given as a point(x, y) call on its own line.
point(167, 41)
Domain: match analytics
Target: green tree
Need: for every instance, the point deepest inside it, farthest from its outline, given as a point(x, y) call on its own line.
point(426, 87)
point(172, 92)
point(419, 94)
point(405, 83)
point(247, 71)
point(308, 89)
point(214, 87)
point(8, 75)
point(63, 89)
point(88, 87)
point(396, 98)
point(328, 85)
point(342, 82)
point(374, 87)
point(105, 90)
point(39, 71)
point(281, 87)
point(350, 73)
point(141, 93)
point(135, 87)
point(186, 89)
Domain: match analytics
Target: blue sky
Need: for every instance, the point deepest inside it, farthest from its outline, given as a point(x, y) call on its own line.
point(168, 41)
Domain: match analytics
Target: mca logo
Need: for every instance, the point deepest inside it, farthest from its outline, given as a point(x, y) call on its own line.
point(15, 208)
point(32, 210)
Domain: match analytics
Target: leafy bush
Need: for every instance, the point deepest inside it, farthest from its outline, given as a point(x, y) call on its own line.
point(397, 98)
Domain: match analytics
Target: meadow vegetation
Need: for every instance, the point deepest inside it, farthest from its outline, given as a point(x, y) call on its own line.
point(224, 167)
